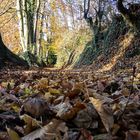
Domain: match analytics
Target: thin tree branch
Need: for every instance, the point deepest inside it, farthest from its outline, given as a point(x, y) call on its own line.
point(3, 24)
point(86, 9)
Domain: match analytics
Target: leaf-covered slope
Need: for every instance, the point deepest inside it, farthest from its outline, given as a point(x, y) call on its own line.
point(119, 48)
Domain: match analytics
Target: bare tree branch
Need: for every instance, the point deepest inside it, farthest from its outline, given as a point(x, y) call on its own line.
point(5, 9)
point(4, 23)
point(86, 8)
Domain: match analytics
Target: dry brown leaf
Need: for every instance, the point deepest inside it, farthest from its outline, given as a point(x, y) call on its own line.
point(74, 93)
point(125, 91)
point(66, 85)
point(84, 120)
point(79, 85)
point(66, 111)
point(101, 85)
point(95, 95)
point(42, 84)
point(104, 112)
point(30, 123)
point(73, 111)
point(132, 135)
point(87, 118)
point(3, 136)
point(116, 128)
point(85, 135)
point(35, 107)
point(62, 107)
point(48, 132)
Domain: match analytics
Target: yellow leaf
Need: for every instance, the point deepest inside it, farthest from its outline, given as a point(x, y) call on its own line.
point(43, 83)
point(12, 134)
point(54, 91)
point(48, 96)
point(16, 108)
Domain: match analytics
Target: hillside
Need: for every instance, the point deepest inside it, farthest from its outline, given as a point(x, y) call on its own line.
point(119, 49)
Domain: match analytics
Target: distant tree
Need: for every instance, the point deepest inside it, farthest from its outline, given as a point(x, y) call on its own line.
point(95, 24)
point(31, 16)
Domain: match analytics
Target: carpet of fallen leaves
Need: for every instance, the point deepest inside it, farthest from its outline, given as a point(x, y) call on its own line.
point(69, 105)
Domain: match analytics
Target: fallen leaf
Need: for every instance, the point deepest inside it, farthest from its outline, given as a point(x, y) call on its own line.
point(95, 95)
point(51, 131)
point(12, 134)
point(42, 84)
point(35, 107)
point(132, 135)
point(85, 135)
point(115, 129)
point(72, 112)
point(31, 123)
point(54, 91)
point(86, 118)
point(104, 112)
point(102, 137)
point(101, 85)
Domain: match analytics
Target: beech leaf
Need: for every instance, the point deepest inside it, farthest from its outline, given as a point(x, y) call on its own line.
point(104, 113)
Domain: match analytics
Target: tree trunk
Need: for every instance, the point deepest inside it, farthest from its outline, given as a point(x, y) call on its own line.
point(96, 25)
point(36, 32)
point(131, 17)
point(40, 36)
point(7, 56)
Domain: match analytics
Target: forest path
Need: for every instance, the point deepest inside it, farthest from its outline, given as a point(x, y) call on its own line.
point(89, 104)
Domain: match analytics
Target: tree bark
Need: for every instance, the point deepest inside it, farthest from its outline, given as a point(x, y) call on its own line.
point(131, 17)
point(7, 56)
point(21, 25)
point(96, 25)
